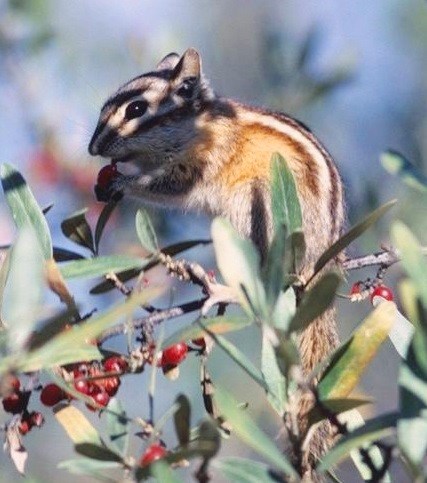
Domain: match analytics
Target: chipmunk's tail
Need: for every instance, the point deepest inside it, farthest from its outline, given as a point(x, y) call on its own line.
point(317, 341)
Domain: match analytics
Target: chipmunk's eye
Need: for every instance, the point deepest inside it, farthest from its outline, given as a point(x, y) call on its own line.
point(187, 87)
point(135, 109)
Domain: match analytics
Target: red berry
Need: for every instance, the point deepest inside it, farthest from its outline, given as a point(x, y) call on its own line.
point(24, 426)
point(152, 453)
point(14, 403)
point(83, 386)
point(111, 385)
point(115, 364)
point(383, 292)
point(52, 394)
point(100, 398)
point(106, 175)
point(199, 342)
point(355, 288)
point(174, 354)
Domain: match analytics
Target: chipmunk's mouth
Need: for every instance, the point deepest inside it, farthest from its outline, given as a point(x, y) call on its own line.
point(123, 159)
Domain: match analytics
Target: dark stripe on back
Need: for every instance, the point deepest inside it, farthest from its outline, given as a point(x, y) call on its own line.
point(259, 228)
point(335, 199)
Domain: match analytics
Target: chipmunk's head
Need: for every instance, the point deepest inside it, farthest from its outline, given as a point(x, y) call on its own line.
point(151, 118)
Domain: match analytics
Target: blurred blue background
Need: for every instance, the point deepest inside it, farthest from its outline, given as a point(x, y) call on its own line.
point(355, 72)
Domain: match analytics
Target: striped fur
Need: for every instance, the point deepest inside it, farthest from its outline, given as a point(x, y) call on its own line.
point(208, 154)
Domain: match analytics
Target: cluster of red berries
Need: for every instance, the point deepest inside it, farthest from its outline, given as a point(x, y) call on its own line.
point(381, 291)
point(99, 383)
point(16, 403)
point(29, 420)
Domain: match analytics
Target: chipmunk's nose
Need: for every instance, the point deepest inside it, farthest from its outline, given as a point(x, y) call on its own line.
point(93, 148)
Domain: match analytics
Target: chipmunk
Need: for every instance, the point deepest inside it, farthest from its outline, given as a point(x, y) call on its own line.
point(197, 151)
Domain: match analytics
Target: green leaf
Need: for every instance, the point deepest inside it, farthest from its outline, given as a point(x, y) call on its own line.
point(413, 260)
point(95, 267)
point(126, 275)
point(351, 235)
point(284, 198)
point(180, 247)
point(76, 425)
point(24, 207)
point(163, 473)
point(246, 430)
point(240, 359)
point(295, 251)
point(335, 406)
point(412, 425)
point(374, 429)
point(77, 229)
point(105, 215)
point(273, 274)
point(397, 164)
point(145, 231)
point(276, 393)
point(240, 470)
point(353, 357)
point(182, 419)
point(4, 274)
point(284, 310)
point(23, 291)
point(69, 346)
point(93, 468)
point(239, 264)
point(354, 420)
point(215, 325)
point(97, 452)
point(63, 255)
point(315, 301)
point(118, 426)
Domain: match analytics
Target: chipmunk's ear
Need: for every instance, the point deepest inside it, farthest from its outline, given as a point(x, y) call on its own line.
point(189, 65)
point(169, 62)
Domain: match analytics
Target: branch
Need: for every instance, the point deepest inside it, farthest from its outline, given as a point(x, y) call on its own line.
point(387, 257)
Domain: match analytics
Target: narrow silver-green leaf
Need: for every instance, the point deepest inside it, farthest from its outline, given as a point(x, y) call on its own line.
point(413, 260)
point(239, 264)
point(163, 473)
point(182, 419)
point(105, 215)
point(284, 197)
point(240, 359)
point(88, 467)
point(351, 235)
point(118, 426)
point(240, 470)
point(273, 376)
point(273, 273)
point(95, 267)
point(353, 357)
point(24, 207)
point(246, 429)
point(64, 345)
point(23, 291)
point(145, 231)
point(315, 301)
point(77, 229)
point(374, 429)
point(97, 452)
point(397, 164)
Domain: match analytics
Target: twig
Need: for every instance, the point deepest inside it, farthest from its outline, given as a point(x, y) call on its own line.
point(387, 257)
point(153, 319)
